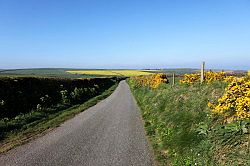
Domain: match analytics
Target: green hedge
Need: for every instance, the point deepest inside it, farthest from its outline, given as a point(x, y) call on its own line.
point(22, 95)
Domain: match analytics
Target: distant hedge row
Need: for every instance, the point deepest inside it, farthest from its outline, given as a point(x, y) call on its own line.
point(22, 95)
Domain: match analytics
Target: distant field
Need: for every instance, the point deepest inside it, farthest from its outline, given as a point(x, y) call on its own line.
point(179, 71)
point(43, 72)
point(85, 73)
point(71, 73)
point(91, 73)
point(111, 72)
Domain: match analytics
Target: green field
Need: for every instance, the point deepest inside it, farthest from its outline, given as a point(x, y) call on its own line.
point(44, 72)
point(178, 71)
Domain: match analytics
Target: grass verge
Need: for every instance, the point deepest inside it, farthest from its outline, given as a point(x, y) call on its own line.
point(41, 127)
point(180, 128)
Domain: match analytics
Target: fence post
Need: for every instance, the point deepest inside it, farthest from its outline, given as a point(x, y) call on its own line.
point(173, 78)
point(202, 71)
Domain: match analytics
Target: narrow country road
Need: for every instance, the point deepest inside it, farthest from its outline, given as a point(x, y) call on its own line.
point(108, 134)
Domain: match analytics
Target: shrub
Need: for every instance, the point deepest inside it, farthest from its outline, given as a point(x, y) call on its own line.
point(65, 97)
point(235, 102)
point(22, 95)
point(152, 81)
point(210, 77)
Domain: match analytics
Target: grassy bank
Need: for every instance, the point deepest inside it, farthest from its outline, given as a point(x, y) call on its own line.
point(181, 129)
point(42, 125)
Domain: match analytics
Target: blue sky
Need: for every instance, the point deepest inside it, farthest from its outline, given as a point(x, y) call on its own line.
point(125, 33)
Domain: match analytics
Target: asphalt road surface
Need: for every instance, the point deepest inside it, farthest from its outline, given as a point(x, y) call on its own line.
point(110, 133)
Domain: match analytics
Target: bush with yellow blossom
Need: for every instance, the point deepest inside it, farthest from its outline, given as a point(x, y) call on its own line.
point(152, 81)
point(235, 102)
point(190, 78)
point(210, 77)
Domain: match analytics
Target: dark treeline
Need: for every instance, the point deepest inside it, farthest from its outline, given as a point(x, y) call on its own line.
point(22, 95)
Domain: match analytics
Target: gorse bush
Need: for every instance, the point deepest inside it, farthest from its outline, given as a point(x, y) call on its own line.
point(209, 77)
point(235, 103)
point(152, 81)
point(190, 78)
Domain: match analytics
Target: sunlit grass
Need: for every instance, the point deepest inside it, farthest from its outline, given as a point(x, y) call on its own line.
point(182, 129)
point(111, 72)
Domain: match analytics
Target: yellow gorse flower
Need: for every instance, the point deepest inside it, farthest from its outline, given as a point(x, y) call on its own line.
point(210, 77)
point(214, 76)
point(152, 81)
point(235, 102)
point(190, 78)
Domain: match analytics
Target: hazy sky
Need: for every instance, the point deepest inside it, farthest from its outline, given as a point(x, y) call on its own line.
point(125, 33)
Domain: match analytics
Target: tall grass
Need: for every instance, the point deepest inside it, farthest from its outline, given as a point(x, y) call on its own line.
point(180, 128)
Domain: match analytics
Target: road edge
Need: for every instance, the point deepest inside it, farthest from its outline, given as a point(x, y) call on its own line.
point(150, 148)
